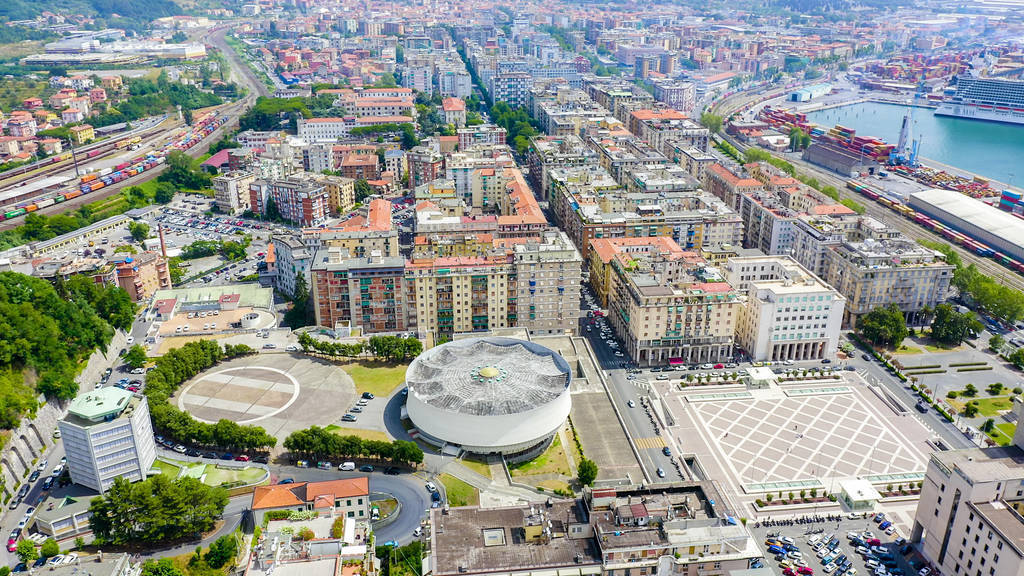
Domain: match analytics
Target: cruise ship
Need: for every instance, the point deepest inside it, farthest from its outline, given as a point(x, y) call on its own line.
point(993, 99)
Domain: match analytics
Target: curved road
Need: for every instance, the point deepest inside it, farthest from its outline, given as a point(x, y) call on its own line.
point(406, 487)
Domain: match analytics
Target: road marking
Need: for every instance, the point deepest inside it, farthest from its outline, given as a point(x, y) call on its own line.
point(652, 442)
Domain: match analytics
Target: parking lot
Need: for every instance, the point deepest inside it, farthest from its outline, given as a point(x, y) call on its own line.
point(890, 548)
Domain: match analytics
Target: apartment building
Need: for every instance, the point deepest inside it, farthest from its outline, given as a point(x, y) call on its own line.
point(513, 88)
point(141, 275)
point(670, 307)
point(788, 313)
point(360, 292)
point(303, 201)
point(673, 529)
point(620, 154)
point(660, 128)
point(425, 165)
point(486, 134)
point(728, 185)
point(970, 516)
point(873, 273)
point(361, 236)
point(678, 95)
point(548, 274)
point(692, 159)
point(341, 193)
point(107, 434)
point(292, 259)
point(767, 223)
point(549, 152)
point(588, 204)
point(231, 191)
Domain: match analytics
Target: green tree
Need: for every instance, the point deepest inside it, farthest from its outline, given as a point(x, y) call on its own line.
point(49, 549)
point(988, 426)
point(996, 342)
point(951, 327)
point(136, 357)
point(222, 551)
point(139, 231)
point(164, 192)
point(970, 391)
point(183, 171)
point(712, 122)
point(26, 551)
point(884, 325)
point(995, 388)
point(970, 410)
point(363, 189)
point(1017, 358)
point(298, 315)
point(853, 205)
point(161, 567)
point(586, 472)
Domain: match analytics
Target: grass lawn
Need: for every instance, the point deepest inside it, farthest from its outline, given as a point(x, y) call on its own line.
point(553, 485)
point(940, 348)
point(459, 493)
point(909, 350)
point(552, 461)
point(376, 377)
point(993, 406)
point(386, 506)
point(215, 475)
point(1003, 433)
point(477, 466)
point(167, 469)
point(364, 434)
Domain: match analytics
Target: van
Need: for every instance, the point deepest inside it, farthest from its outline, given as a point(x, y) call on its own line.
point(347, 466)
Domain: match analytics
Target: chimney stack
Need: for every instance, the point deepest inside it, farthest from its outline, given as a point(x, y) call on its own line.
point(163, 245)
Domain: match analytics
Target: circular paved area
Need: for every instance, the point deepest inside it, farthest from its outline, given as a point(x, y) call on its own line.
point(281, 392)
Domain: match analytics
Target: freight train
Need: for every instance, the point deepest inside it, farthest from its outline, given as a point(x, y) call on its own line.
point(110, 176)
point(935, 226)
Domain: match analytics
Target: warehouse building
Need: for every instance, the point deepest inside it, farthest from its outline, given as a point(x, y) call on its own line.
point(1001, 231)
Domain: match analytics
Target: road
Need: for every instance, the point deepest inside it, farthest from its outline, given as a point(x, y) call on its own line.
point(638, 423)
point(874, 372)
point(407, 488)
point(241, 71)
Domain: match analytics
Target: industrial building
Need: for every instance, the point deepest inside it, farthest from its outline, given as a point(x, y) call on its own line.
point(999, 230)
point(489, 395)
point(809, 93)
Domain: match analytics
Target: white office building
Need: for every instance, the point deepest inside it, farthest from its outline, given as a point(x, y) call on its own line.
point(789, 313)
point(969, 518)
point(107, 434)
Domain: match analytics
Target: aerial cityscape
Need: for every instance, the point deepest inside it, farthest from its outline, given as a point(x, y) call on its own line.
point(467, 288)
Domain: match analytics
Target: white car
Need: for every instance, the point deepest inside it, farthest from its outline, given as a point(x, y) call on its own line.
point(69, 559)
point(890, 530)
point(131, 340)
point(830, 568)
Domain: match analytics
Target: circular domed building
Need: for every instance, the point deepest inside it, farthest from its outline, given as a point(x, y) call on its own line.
point(489, 395)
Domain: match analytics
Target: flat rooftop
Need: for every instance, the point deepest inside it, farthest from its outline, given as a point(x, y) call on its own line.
point(1004, 519)
point(472, 540)
point(99, 405)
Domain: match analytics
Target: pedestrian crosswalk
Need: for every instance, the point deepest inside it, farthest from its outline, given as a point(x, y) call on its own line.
point(653, 442)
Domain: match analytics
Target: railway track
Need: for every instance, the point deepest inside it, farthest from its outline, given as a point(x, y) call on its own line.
point(985, 265)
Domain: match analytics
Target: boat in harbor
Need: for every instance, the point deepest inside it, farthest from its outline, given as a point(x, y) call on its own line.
point(991, 99)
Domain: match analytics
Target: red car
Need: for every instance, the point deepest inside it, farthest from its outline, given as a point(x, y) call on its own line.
point(788, 571)
point(805, 570)
point(241, 458)
point(12, 544)
point(719, 366)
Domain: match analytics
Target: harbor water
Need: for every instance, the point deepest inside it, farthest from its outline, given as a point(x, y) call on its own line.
point(989, 149)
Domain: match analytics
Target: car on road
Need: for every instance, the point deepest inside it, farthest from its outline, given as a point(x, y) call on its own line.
point(180, 449)
point(366, 468)
point(292, 348)
point(33, 476)
point(666, 451)
point(661, 473)
point(269, 346)
point(367, 396)
point(430, 487)
point(48, 483)
point(12, 544)
point(865, 356)
point(356, 409)
point(349, 418)
point(391, 543)
point(42, 465)
point(241, 458)
point(631, 404)
point(392, 471)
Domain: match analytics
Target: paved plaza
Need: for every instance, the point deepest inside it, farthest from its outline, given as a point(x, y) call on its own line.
point(810, 435)
point(280, 392)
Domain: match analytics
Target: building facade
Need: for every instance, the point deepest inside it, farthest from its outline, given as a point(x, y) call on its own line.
point(107, 434)
point(231, 191)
